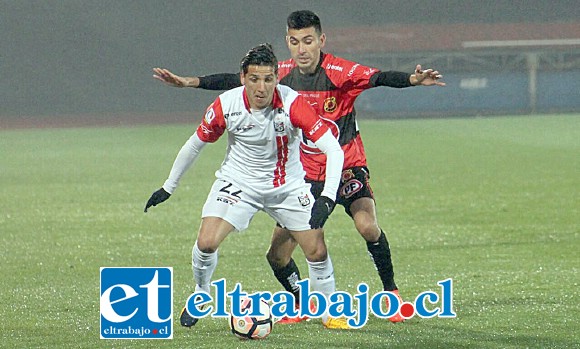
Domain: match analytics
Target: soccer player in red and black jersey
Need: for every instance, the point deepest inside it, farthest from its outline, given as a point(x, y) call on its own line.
point(331, 85)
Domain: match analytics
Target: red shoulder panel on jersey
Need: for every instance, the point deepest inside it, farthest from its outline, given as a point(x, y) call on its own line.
point(342, 71)
point(213, 124)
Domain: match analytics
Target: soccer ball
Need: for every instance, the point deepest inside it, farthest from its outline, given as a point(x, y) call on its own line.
point(252, 327)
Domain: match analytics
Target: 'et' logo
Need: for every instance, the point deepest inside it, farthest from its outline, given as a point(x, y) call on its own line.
point(136, 303)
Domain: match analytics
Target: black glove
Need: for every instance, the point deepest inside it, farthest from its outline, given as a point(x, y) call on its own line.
point(322, 208)
point(156, 198)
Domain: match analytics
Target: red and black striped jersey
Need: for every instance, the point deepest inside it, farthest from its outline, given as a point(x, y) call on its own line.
point(332, 90)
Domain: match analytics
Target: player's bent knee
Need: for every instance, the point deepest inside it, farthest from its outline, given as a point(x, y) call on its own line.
point(368, 230)
point(207, 246)
point(319, 254)
point(371, 236)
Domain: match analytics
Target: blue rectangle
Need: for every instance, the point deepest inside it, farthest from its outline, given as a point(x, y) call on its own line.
point(136, 303)
point(465, 93)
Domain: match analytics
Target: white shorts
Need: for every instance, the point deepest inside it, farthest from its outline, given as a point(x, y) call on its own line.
point(290, 207)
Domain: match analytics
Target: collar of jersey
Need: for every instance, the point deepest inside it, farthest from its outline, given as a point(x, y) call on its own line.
point(276, 101)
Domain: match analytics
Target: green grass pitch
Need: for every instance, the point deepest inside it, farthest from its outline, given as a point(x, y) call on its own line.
point(492, 203)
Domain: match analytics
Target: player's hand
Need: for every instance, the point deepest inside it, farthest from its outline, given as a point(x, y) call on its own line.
point(169, 78)
point(321, 209)
point(428, 77)
point(156, 198)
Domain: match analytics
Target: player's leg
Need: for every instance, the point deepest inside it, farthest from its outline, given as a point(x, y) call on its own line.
point(279, 257)
point(285, 269)
point(319, 264)
point(212, 232)
point(293, 212)
point(320, 270)
point(360, 205)
point(222, 213)
point(365, 220)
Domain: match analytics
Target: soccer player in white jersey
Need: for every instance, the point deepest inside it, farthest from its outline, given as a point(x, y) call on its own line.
point(261, 171)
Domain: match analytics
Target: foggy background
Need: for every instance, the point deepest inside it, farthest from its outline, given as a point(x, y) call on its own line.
point(95, 58)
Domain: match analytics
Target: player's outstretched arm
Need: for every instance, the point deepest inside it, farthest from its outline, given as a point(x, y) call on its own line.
point(164, 75)
point(221, 81)
point(427, 77)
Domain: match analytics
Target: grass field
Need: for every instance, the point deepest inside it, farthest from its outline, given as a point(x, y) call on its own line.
point(492, 203)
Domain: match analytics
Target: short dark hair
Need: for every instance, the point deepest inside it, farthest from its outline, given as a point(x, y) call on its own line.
point(262, 54)
point(304, 19)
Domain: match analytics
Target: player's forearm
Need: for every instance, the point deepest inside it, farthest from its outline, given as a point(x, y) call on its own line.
point(191, 81)
point(391, 78)
point(334, 162)
point(185, 158)
point(222, 81)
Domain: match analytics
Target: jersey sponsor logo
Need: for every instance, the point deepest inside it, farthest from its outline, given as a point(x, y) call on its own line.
point(245, 128)
point(309, 147)
point(236, 113)
point(304, 200)
point(209, 116)
point(284, 65)
point(369, 72)
point(351, 71)
point(334, 67)
point(205, 130)
point(315, 128)
point(330, 104)
point(350, 188)
point(226, 200)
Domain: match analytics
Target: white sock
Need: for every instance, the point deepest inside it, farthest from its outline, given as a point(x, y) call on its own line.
point(203, 267)
point(322, 279)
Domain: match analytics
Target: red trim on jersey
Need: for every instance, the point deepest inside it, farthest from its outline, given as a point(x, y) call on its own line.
point(246, 100)
point(213, 123)
point(280, 171)
point(277, 100)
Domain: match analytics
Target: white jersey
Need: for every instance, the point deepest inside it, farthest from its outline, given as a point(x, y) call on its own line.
point(263, 145)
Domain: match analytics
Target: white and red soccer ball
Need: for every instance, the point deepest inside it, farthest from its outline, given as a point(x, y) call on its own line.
point(252, 327)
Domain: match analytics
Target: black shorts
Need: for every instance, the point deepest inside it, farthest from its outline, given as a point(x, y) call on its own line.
point(354, 184)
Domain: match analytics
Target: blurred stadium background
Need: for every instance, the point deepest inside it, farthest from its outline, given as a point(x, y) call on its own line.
point(80, 62)
point(491, 202)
